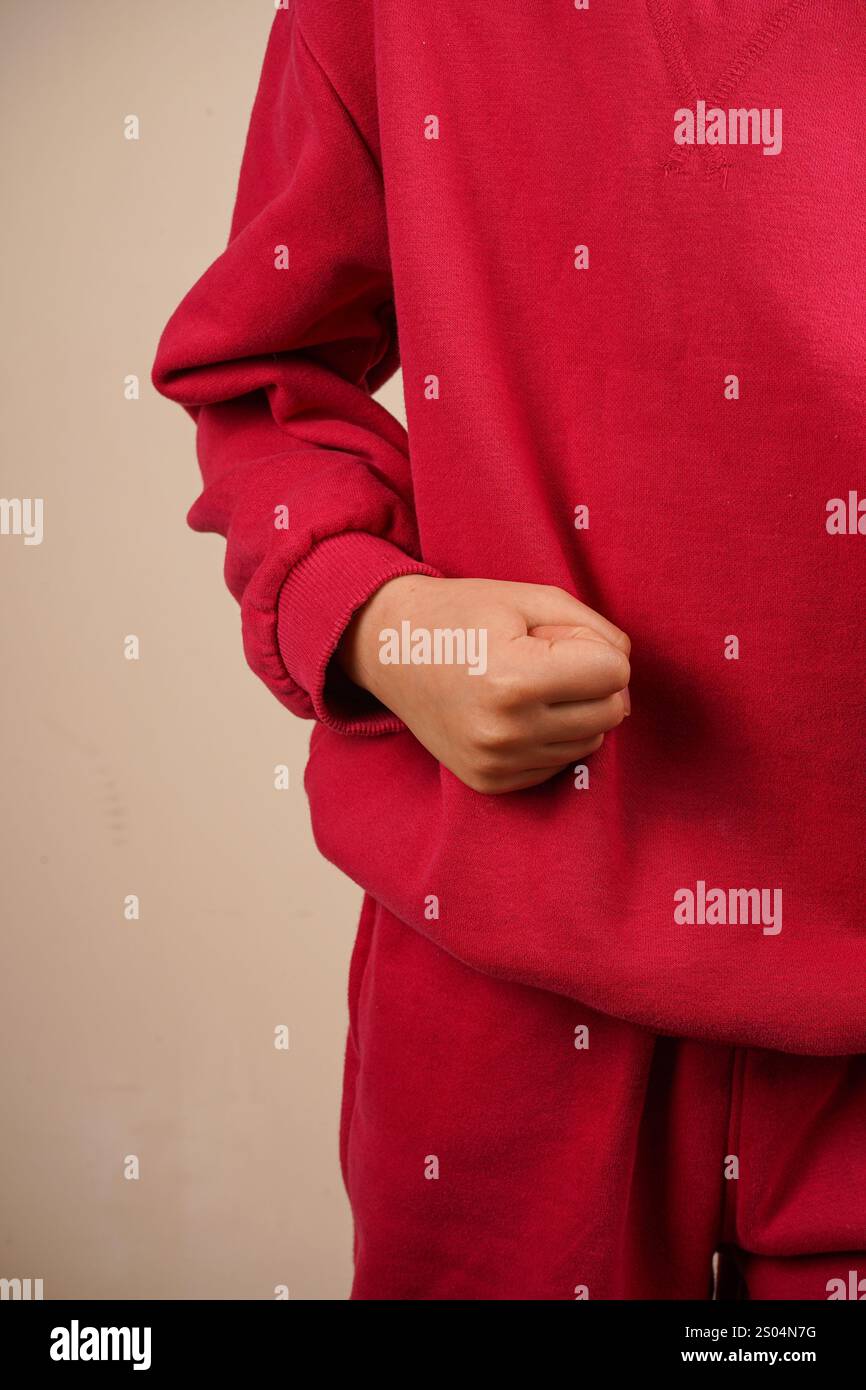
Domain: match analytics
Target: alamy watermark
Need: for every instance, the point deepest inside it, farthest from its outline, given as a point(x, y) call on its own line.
point(438, 646)
point(22, 516)
point(21, 1289)
point(704, 906)
point(711, 125)
point(77, 1343)
point(852, 1288)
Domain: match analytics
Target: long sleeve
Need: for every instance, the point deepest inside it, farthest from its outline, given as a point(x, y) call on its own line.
point(275, 352)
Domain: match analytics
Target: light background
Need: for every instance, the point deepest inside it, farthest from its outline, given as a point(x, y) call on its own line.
point(154, 777)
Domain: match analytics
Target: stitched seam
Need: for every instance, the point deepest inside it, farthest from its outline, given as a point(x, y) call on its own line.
point(679, 69)
point(743, 1205)
point(730, 1203)
point(388, 344)
point(336, 92)
point(755, 49)
point(683, 79)
point(672, 52)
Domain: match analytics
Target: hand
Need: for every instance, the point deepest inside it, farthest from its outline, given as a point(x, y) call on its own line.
point(554, 684)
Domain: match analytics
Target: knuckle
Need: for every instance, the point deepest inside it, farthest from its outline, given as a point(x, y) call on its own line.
point(557, 594)
point(482, 764)
point(491, 737)
point(506, 689)
point(616, 713)
point(479, 781)
point(619, 669)
point(608, 715)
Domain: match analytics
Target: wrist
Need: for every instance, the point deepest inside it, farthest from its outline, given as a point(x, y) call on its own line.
point(358, 651)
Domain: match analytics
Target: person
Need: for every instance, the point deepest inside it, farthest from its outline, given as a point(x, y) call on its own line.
point(606, 999)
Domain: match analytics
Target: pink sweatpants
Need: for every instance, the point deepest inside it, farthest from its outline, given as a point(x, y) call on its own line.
point(515, 1145)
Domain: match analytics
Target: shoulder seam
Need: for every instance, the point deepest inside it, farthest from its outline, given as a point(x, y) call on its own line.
point(333, 86)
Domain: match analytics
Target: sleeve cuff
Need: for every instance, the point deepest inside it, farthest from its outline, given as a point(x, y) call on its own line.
point(317, 600)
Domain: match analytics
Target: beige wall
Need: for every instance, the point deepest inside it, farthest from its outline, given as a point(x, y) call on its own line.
point(153, 777)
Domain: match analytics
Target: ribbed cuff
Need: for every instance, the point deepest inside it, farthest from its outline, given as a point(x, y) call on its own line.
point(316, 603)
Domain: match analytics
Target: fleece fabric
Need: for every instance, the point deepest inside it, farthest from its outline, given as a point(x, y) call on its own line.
point(634, 369)
point(500, 1143)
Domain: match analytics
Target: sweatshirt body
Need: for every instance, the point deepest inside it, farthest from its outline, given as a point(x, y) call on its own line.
point(634, 369)
point(608, 388)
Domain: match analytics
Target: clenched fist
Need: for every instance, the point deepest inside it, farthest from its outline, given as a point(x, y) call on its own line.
point(554, 678)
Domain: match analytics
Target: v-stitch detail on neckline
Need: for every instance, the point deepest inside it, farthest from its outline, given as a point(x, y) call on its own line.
point(683, 79)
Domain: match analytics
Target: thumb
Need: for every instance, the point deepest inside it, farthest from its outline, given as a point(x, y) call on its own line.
point(555, 632)
point(544, 608)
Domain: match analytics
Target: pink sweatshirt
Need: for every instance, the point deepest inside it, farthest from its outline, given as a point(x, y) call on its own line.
point(623, 244)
